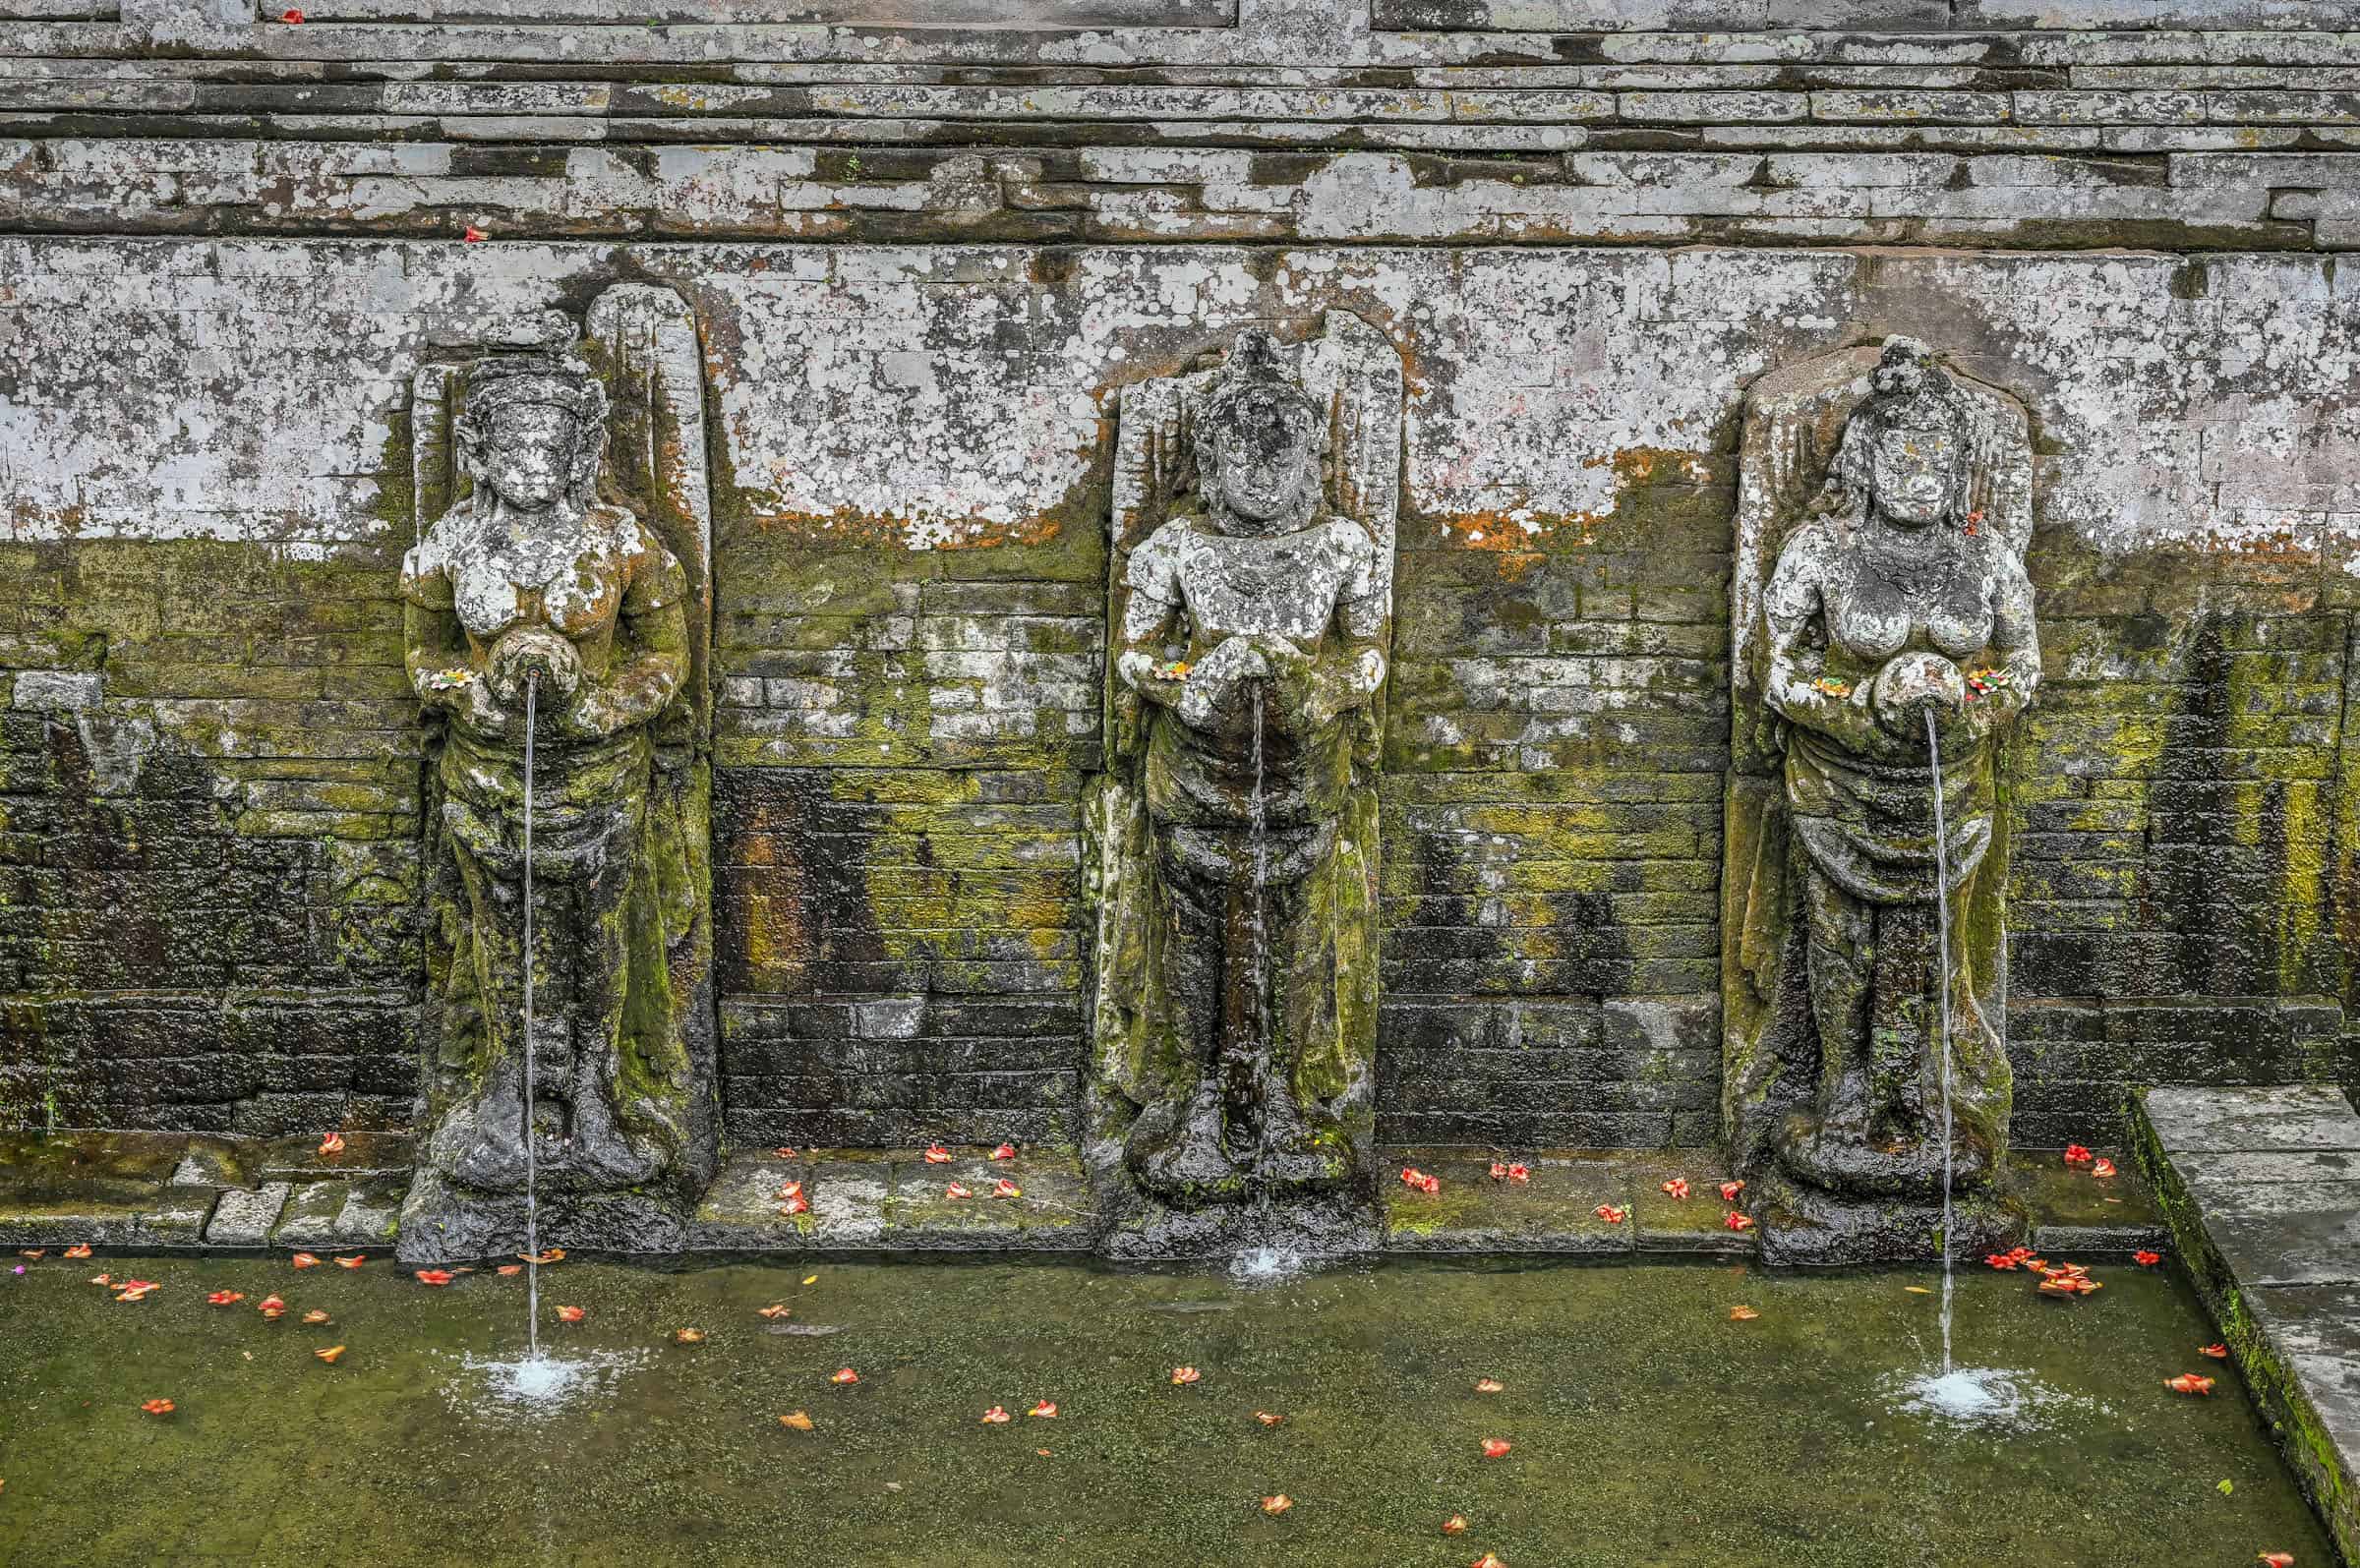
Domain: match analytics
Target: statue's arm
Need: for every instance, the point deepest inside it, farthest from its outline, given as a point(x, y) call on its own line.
point(2016, 638)
point(433, 645)
point(651, 648)
point(1151, 617)
point(1797, 663)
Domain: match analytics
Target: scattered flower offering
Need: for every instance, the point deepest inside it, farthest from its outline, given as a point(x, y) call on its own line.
point(508, 1271)
point(2146, 1259)
point(791, 1190)
point(1490, 1385)
point(436, 1276)
point(936, 1154)
point(1268, 1418)
point(553, 1255)
point(352, 1263)
point(1006, 1151)
point(333, 1144)
point(996, 1416)
point(271, 1308)
point(1419, 1181)
point(797, 1204)
point(1493, 1447)
point(784, 1152)
point(1490, 1559)
point(2188, 1383)
point(159, 1406)
point(1185, 1375)
point(572, 1314)
point(1730, 1191)
point(1743, 1314)
point(1611, 1214)
point(2075, 1154)
point(35, 1253)
point(1045, 1408)
point(1737, 1221)
point(304, 1261)
point(2103, 1170)
point(2218, 1352)
point(331, 1353)
point(78, 1249)
point(1004, 1187)
point(291, 16)
point(958, 1189)
point(1498, 1172)
point(844, 1375)
point(775, 1311)
point(1279, 1504)
point(2278, 1559)
point(797, 1421)
point(2069, 1285)
point(1456, 1525)
point(688, 1336)
point(1676, 1187)
point(315, 1317)
point(472, 235)
point(227, 1297)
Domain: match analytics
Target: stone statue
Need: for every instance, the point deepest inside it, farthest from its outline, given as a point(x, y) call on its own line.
point(1236, 1011)
point(1899, 591)
point(536, 576)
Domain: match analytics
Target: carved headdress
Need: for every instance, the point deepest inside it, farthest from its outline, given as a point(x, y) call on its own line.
point(1907, 391)
point(521, 380)
point(1253, 391)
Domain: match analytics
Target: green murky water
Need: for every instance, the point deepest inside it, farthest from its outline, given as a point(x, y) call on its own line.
point(1647, 1427)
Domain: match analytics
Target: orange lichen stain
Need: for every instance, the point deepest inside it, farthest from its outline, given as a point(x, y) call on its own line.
point(1521, 535)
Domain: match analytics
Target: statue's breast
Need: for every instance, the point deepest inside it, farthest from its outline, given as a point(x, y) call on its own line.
point(1867, 617)
point(1286, 585)
point(573, 587)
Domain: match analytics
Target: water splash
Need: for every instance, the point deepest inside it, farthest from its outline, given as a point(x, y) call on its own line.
point(532, 1163)
point(1991, 1399)
point(537, 1384)
point(1933, 745)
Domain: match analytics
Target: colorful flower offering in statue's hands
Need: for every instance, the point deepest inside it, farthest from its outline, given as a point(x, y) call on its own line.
point(1177, 669)
point(1983, 683)
point(1830, 686)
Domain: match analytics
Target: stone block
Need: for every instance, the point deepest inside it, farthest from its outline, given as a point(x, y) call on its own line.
point(246, 1218)
point(58, 690)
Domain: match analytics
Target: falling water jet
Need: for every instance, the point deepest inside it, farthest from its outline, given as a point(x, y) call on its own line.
point(1264, 1260)
point(532, 1163)
point(1933, 744)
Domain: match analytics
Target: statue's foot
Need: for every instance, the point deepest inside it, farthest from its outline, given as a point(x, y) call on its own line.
point(480, 1142)
point(1306, 1148)
point(1180, 1157)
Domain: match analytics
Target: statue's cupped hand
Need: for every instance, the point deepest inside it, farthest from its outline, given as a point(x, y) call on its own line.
point(533, 652)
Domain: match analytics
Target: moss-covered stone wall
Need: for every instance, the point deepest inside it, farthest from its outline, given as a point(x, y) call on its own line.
point(212, 785)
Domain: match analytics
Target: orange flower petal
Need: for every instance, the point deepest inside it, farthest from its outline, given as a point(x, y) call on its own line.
point(796, 1419)
point(1268, 1418)
point(1277, 1505)
point(1185, 1375)
point(1493, 1447)
point(331, 1353)
point(572, 1314)
point(844, 1375)
point(996, 1416)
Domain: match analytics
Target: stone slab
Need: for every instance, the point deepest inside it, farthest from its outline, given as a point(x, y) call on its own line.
point(2262, 1204)
point(246, 1218)
point(372, 1213)
point(50, 1170)
point(171, 1220)
point(1054, 1214)
point(2074, 1213)
point(311, 1214)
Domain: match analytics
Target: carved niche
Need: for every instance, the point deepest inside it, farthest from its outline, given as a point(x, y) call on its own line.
point(566, 531)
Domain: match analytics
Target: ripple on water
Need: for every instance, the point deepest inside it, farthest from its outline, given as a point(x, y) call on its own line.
point(1989, 1398)
point(535, 1384)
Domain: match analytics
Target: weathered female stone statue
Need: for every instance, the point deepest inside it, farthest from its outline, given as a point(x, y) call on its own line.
point(1899, 591)
point(1237, 834)
point(532, 575)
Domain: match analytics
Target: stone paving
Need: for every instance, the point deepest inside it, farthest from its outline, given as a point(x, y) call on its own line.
point(2261, 1187)
point(172, 1192)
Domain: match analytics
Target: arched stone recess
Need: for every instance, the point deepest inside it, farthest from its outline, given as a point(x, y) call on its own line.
point(1885, 503)
point(565, 532)
point(1233, 839)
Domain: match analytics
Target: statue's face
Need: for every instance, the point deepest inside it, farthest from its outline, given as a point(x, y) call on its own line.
point(529, 458)
point(1911, 474)
point(1266, 460)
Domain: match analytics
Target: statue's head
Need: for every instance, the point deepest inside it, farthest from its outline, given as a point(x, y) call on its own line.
point(1258, 444)
point(533, 428)
point(1905, 453)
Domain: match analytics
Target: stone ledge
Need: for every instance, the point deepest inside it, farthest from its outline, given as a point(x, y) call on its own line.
point(2261, 1189)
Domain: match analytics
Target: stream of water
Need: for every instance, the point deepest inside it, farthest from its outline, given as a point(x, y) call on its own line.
point(532, 1160)
point(1263, 1261)
point(1933, 745)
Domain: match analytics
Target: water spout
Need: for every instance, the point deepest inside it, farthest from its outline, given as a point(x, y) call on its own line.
point(1933, 744)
